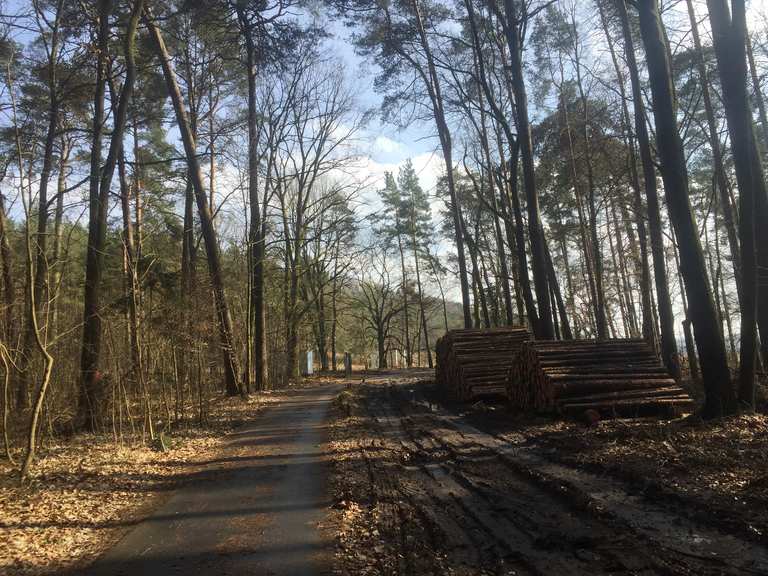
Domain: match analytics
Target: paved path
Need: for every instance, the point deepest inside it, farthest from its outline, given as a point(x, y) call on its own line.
point(256, 514)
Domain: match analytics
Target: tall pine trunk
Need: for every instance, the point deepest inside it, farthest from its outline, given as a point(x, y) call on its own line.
point(714, 142)
point(256, 234)
point(444, 133)
point(634, 181)
point(90, 389)
point(231, 374)
point(664, 302)
point(729, 35)
point(720, 398)
point(9, 289)
point(545, 327)
point(40, 270)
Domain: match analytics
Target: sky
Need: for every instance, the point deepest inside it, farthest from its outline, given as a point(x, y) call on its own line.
point(385, 147)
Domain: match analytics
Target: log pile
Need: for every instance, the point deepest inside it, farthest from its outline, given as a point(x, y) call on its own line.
point(613, 377)
point(473, 363)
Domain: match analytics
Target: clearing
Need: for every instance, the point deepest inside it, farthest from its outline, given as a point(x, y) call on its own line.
point(421, 489)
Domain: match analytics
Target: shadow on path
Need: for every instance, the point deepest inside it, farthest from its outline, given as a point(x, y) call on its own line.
point(257, 514)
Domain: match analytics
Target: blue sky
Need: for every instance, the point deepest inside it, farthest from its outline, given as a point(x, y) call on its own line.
point(387, 146)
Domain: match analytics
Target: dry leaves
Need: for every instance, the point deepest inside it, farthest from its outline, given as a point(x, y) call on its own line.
point(83, 493)
point(720, 465)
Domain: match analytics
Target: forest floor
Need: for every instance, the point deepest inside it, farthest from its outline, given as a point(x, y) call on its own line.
point(86, 491)
point(403, 485)
point(425, 488)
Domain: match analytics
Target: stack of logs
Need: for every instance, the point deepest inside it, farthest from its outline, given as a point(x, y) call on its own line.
point(612, 377)
point(474, 363)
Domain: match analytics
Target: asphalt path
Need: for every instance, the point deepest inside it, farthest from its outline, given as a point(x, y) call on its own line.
point(255, 509)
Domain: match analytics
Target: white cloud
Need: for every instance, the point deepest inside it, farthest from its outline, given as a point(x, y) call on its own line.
point(384, 145)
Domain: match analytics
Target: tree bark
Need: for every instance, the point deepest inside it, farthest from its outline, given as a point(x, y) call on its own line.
point(544, 327)
point(597, 259)
point(557, 298)
point(586, 238)
point(40, 277)
point(58, 222)
point(9, 289)
point(231, 374)
point(664, 302)
point(717, 153)
point(404, 294)
point(432, 82)
point(90, 388)
point(634, 181)
point(729, 35)
point(257, 240)
point(520, 245)
point(424, 327)
point(720, 398)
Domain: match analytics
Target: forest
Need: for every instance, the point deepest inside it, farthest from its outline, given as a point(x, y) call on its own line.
point(208, 207)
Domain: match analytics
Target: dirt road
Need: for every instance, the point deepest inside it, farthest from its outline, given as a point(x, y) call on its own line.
point(256, 509)
point(434, 495)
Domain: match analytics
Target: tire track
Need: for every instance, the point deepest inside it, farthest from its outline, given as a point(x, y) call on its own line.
point(626, 533)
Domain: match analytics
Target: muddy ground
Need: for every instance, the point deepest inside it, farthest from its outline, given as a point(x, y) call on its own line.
point(423, 488)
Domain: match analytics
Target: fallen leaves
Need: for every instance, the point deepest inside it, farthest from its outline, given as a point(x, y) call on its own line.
point(83, 493)
point(720, 464)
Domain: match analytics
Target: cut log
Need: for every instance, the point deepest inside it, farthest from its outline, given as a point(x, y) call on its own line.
point(610, 376)
point(473, 363)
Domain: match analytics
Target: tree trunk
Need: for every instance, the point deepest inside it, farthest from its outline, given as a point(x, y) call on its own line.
point(690, 345)
point(58, 221)
point(586, 239)
point(90, 388)
point(522, 283)
point(622, 271)
point(634, 181)
point(436, 97)
point(257, 240)
point(758, 93)
point(761, 206)
point(729, 35)
point(519, 235)
point(424, 327)
point(231, 374)
point(709, 341)
point(334, 306)
point(664, 302)
point(569, 281)
point(322, 335)
point(557, 298)
point(476, 279)
point(42, 348)
point(9, 289)
point(501, 250)
point(133, 293)
point(404, 293)
point(40, 277)
point(714, 143)
point(382, 349)
point(597, 259)
point(544, 327)
point(436, 274)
